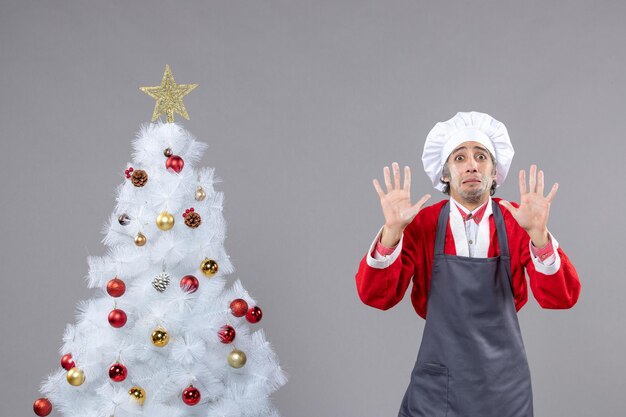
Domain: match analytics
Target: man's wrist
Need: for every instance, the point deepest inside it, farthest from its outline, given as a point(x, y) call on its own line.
point(390, 237)
point(539, 239)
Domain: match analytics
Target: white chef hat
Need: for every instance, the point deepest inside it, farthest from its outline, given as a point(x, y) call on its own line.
point(464, 127)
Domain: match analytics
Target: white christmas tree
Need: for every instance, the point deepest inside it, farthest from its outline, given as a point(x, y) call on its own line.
point(165, 336)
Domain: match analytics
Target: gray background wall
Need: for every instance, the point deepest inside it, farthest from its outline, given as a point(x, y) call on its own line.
point(302, 104)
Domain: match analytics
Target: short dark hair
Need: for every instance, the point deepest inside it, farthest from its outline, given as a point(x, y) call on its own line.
point(446, 173)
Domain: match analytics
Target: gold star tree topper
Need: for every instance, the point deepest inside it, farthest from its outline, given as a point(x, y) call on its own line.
point(169, 97)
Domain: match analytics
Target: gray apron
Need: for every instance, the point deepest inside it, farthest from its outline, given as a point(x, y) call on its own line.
point(471, 361)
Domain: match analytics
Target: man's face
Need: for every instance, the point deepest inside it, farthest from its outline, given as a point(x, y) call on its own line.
point(471, 172)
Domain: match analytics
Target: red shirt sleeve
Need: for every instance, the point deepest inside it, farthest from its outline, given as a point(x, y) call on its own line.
point(543, 253)
point(557, 291)
point(384, 288)
point(382, 249)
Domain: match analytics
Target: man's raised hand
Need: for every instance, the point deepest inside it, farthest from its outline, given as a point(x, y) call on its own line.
point(396, 204)
point(534, 210)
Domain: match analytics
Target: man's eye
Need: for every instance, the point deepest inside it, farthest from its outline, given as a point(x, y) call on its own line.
point(481, 156)
point(458, 158)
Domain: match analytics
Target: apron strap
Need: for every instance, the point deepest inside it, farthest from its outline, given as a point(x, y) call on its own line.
point(500, 229)
point(503, 241)
point(442, 226)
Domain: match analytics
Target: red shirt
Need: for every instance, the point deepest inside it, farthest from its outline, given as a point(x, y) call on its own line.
point(384, 288)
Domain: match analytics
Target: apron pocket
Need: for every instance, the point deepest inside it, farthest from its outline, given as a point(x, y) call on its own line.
point(427, 395)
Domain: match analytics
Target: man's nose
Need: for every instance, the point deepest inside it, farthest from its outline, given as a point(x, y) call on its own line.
point(472, 165)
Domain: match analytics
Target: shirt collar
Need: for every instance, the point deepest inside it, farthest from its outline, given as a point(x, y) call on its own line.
point(476, 214)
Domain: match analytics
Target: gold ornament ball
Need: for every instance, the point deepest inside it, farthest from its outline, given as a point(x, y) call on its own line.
point(160, 337)
point(208, 267)
point(200, 194)
point(165, 221)
point(236, 358)
point(140, 239)
point(138, 394)
point(75, 376)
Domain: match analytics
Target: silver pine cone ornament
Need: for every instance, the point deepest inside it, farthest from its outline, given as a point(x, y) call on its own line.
point(161, 281)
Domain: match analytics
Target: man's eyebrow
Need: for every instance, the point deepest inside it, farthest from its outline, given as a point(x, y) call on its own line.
point(459, 149)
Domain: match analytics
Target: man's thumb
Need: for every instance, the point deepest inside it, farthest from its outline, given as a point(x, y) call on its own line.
point(507, 205)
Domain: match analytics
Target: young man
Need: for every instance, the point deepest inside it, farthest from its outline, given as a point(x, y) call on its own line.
point(466, 258)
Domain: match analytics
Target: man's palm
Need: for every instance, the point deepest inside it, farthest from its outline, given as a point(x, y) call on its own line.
point(534, 210)
point(396, 202)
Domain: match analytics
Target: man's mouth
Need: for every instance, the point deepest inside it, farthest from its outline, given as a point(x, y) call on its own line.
point(471, 180)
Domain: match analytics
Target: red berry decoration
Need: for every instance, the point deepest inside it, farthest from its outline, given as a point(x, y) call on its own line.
point(239, 307)
point(174, 163)
point(42, 407)
point(128, 172)
point(226, 334)
point(191, 395)
point(67, 362)
point(118, 372)
point(117, 318)
point(192, 219)
point(116, 287)
point(254, 315)
point(189, 283)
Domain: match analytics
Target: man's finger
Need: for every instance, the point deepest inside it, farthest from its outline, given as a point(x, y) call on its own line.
point(396, 176)
point(532, 179)
point(540, 183)
point(379, 190)
point(407, 179)
point(415, 208)
point(422, 201)
point(522, 182)
point(552, 192)
point(387, 176)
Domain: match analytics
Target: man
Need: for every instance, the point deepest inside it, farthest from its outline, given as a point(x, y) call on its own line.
point(466, 259)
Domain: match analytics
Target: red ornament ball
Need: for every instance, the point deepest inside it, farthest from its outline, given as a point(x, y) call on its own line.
point(239, 307)
point(67, 362)
point(174, 163)
point(117, 318)
point(116, 287)
point(118, 372)
point(191, 395)
point(42, 407)
point(226, 334)
point(189, 283)
point(254, 315)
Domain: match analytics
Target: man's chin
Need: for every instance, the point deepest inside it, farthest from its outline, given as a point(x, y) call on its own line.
point(472, 195)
